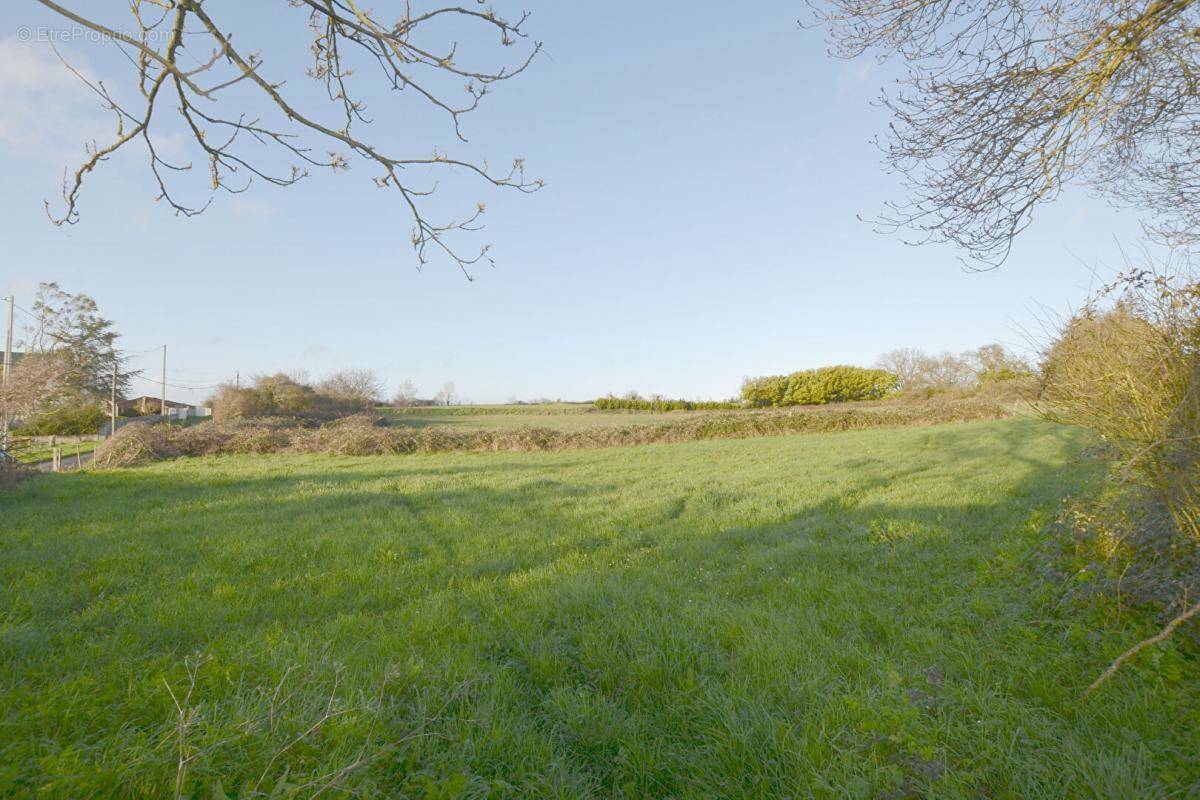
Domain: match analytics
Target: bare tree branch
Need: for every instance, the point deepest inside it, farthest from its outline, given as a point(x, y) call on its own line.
point(1004, 102)
point(222, 126)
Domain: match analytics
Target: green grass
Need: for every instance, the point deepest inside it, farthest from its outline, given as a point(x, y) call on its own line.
point(570, 417)
point(554, 416)
point(38, 453)
point(837, 615)
point(566, 421)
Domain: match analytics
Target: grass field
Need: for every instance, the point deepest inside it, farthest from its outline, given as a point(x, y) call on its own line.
point(557, 422)
point(838, 615)
point(571, 417)
point(556, 416)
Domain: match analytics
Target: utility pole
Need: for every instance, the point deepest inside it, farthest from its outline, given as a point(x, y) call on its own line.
point(164, 382)
point(112, 418)
point(237, 380)
point(12, 301)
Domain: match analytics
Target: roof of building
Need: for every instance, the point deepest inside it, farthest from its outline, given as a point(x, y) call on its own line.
point(152, 401)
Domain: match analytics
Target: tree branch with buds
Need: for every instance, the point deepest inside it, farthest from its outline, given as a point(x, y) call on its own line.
point(234, 110)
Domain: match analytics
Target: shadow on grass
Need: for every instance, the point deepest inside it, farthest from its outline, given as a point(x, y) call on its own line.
point(448, 524)
point(674, 633)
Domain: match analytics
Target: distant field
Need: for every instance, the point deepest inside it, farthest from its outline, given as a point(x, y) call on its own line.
point(849, 615)
point(555, 417)
point(561, 416)
point(501, 408)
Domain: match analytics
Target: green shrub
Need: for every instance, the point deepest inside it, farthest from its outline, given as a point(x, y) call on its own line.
point(766, 392)
point(840, 384)
point(66, 421)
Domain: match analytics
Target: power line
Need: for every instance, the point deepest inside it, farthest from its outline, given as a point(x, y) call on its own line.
point(133, 354)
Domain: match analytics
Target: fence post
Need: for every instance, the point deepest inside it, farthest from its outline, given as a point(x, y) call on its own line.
point(56, 464)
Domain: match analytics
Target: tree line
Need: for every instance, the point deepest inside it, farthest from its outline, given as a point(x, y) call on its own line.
point(906, 370)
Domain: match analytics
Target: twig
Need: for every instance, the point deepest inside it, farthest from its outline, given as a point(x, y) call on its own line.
point(1165, 633)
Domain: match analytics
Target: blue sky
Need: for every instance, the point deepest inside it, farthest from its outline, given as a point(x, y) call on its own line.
point(704, 172)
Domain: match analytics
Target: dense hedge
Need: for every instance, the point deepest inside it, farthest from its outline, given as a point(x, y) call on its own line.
point(661, 404)
point(65, 421)
point(361, 436)
point(839, 384)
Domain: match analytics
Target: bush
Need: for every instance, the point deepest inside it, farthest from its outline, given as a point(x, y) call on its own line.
point(1130, 371)
point(359, 388)
point(280, 395)
point(994, 364)
point(766, 392)
point(66, 421)
point(841, 384)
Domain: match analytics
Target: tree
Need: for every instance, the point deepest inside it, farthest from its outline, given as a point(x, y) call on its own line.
point(908, 365)
point(948, 370)
point(35, 380)
point(994, 362)
point(241, 118)
point(70, 339)
point(360, 387)
point(1003, 102)
point(447, 396)
point(916, 369)
point(406, 394)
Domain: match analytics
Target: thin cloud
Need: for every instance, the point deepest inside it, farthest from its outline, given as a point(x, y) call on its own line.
point(46, 113)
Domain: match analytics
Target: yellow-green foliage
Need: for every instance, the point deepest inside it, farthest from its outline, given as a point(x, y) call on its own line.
point(1131, 373)
point(838, 384)
point(66, 420)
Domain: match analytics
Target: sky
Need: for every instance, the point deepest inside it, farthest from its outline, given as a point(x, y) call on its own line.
point(706, 170)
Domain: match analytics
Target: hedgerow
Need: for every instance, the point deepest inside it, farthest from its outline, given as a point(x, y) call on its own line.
point(611, 403)
point(840, 384)
point(367, 435)
point(523, 409)
point(66, 420)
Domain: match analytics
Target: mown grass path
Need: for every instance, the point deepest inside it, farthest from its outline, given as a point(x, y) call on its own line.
point(838, 615)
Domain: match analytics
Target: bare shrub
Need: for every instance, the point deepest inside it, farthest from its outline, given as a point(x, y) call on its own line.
point(283, 395)
point(231, 402)
point(136, 445)
point(34, 381)
point(360, 388)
